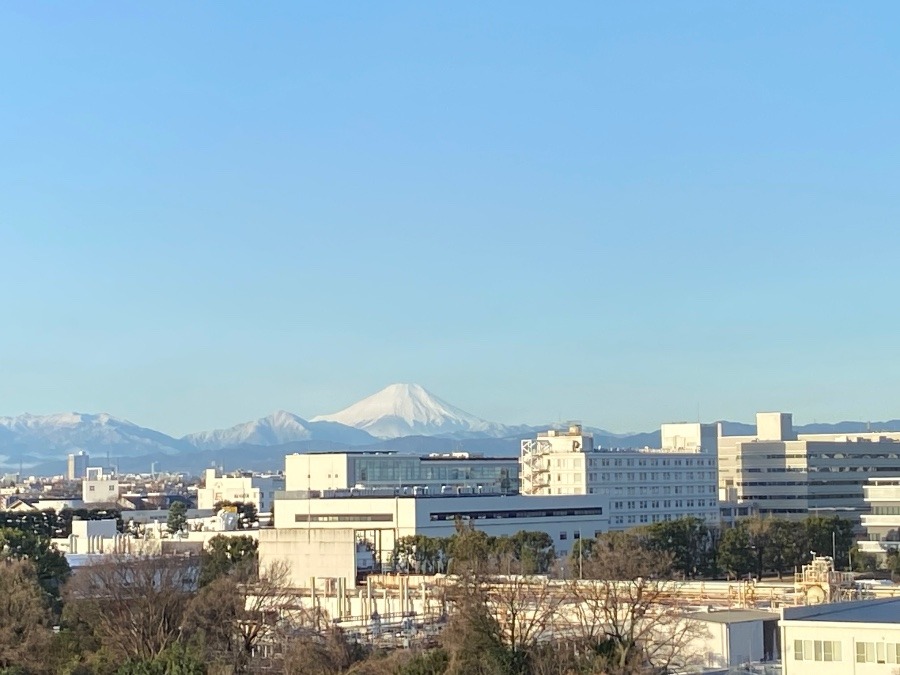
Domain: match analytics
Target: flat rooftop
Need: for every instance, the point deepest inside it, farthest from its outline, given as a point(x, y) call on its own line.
point(883, 610)
point(735, 616)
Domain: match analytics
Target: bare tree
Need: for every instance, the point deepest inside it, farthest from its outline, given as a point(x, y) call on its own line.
point(237, 613)
point(134, 604)
point(624, 613)
point(524, 608)
point(24, 616)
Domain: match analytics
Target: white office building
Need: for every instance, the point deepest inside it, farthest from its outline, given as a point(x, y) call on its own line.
point(860, 637)
point(881, 520)
point(344, 470)
point(99, 488)
point(386, 515)
point(643, 486)
point(789, 475)
point(256, 489)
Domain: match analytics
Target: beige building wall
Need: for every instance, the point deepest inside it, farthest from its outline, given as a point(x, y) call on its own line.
point(788, 475)
point(319, 552)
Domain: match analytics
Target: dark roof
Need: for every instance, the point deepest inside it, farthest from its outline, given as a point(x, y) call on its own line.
point(735, 616)
point(882, 610)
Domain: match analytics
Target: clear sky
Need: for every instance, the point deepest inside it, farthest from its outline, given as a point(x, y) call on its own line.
point(624, 213)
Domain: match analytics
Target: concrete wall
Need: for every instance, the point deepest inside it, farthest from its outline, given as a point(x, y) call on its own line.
point(329, 553)
point(94, 528)
point(101, 490)
point(689, 436)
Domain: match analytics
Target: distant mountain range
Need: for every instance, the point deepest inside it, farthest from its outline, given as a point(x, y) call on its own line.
point(400, 417)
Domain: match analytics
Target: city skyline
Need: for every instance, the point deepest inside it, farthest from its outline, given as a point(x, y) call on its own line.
point(545, 422)
point(620, 214)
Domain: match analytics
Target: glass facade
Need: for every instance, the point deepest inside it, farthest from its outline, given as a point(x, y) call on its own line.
point(393, 470)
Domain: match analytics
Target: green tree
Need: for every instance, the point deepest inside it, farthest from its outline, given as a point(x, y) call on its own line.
point(470, 550)
point(224, 555)
point(786, 548)
point(689, 540)
point(24, 617)
point(421, 553)
point(177, 517)
point(582, 550)
point(178, 659)
point(735, 555)
point(863, 562)
point(825, 535)
point(50, 565)
point(533, 551)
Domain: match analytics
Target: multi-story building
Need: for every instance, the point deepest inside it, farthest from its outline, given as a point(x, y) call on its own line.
point(383, 515)
point(790, 475)
point(436, 472)
point(643, 486)
point(882, 519)
point(77, 465)
point(256, 489)
point(99, 488)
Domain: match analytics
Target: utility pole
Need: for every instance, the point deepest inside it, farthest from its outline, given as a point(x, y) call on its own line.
point(580, 556)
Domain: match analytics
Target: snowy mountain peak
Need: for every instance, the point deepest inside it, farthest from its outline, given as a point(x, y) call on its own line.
point(276, 429)
point(36, 437)
point(405, 409)
point(279, 427)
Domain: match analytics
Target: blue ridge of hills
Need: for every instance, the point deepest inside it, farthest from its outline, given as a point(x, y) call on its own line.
point(271, 457)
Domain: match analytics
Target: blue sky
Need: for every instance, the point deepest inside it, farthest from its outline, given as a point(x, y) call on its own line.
point(617, 212)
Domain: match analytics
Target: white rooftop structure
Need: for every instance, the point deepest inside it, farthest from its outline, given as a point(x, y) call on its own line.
point(839, 638)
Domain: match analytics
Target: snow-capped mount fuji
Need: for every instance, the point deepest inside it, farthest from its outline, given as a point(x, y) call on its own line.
point(411, 410)
point(278, 428)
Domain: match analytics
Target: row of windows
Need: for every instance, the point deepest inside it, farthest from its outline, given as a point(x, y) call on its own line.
point(397, 470)
point(343, 518)
point(653, 462)
point(770, 483)
point(524, 513)
point(886, 510)
point(651, 518)
point(842, 496)
point(877, 652)
point(665, 490)
point(655, 504)
point(817, 650)
point(662, 475)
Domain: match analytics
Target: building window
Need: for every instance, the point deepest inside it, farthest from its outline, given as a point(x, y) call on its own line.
point(563, 536)
point(818, 650)
point(877, 652)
